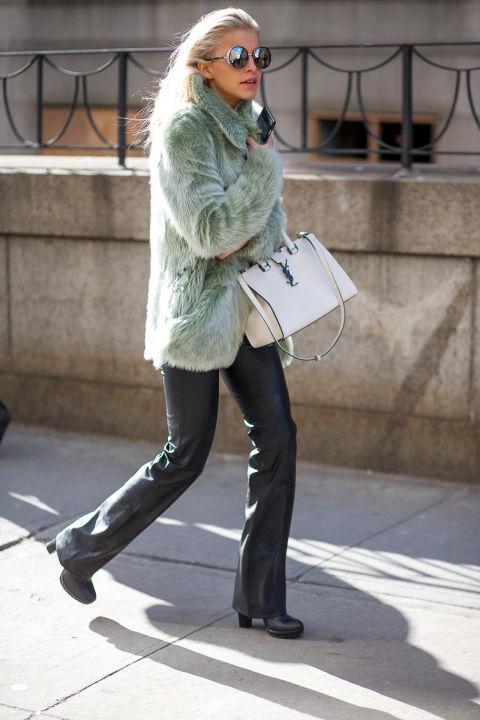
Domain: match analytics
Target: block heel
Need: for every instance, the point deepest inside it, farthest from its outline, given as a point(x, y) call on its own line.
point(244, 621)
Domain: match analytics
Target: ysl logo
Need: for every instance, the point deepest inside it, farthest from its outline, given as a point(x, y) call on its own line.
point(287, 273)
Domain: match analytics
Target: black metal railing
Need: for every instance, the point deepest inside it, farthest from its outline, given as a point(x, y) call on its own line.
point(122, 60)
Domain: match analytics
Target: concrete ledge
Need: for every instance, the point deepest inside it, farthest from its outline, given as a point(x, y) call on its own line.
point(90, 205)
point(427, 211)
point(410, 214)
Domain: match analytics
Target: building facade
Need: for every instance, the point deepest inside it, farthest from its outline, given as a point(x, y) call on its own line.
point(49, 25)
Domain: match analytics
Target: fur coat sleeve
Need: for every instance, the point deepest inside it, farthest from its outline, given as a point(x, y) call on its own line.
point(213, 218)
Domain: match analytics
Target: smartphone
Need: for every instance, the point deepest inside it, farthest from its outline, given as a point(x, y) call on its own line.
point(266, 123)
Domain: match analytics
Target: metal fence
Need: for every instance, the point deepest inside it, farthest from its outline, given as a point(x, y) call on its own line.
point(310, 59)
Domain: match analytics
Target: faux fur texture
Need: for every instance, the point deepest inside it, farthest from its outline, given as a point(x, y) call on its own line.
point(209, 193)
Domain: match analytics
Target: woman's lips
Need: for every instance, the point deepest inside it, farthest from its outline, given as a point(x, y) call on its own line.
point(253, 81)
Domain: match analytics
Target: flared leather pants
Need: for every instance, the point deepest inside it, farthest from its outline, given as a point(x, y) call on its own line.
point(256, 382)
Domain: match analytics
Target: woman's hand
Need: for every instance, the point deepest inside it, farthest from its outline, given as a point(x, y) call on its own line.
point(222, 256)
point(256, 146)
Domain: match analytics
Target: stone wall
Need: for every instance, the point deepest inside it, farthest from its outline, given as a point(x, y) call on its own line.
point(399, 393)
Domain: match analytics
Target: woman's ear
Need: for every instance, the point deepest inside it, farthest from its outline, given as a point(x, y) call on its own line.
point(205, 69)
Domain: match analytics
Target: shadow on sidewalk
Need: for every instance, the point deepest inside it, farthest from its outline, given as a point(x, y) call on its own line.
point(401, 672)
point(263, 686)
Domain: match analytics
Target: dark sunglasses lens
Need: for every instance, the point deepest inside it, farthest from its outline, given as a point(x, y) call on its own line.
point(262, 57)
point(237, 57)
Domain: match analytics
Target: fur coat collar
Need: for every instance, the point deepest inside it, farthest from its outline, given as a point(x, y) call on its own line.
point(209, 193)
point(236, 124)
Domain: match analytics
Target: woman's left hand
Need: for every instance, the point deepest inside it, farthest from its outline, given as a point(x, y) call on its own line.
point(256, 146)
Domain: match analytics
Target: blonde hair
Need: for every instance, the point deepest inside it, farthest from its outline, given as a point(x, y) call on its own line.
point(195, 45)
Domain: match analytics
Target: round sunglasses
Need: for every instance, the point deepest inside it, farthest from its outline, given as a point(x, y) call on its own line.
point(237, 57)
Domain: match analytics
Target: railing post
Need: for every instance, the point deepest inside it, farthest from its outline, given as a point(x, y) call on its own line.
point(122, 107)
point(304, 97)
point(39, 132)
point(407, 124)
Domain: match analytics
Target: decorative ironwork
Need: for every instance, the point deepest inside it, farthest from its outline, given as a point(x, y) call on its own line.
point(121, 59)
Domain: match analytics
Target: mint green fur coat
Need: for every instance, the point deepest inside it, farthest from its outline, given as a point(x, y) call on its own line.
point(209, 193)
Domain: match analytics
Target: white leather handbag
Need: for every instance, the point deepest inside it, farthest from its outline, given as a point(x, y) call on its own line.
point(300, 283)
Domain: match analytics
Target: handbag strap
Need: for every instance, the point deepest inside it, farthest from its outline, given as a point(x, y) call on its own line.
point(334, 285)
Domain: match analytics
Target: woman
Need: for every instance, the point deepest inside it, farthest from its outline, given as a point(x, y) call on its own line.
point(215, 208)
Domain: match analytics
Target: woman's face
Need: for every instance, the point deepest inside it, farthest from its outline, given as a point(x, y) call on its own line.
point(232, 84)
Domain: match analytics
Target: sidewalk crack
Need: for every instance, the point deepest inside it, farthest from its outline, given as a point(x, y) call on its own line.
point(173, 561)
point(448, 496)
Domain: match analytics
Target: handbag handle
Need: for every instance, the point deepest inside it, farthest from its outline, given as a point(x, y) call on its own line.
point(291, 246)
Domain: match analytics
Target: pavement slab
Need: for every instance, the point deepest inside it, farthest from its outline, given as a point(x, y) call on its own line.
point(384, 571)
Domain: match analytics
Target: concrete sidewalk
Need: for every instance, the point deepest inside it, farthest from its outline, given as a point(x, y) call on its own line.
point(384, 571)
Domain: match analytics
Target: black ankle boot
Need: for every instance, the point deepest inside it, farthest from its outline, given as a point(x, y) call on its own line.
point(283, 626)
point(81, 590)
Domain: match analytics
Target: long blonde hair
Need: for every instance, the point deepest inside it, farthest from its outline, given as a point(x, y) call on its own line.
point(194, 45)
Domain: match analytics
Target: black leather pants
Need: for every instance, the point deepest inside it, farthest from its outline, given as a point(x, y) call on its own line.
point(257, 383)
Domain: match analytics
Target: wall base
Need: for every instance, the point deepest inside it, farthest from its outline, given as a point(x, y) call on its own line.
point(422, 447)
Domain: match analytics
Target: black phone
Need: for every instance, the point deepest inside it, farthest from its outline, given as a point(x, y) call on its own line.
point(266, 123)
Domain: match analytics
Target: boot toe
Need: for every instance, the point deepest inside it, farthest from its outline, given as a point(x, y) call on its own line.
point(283, 626)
